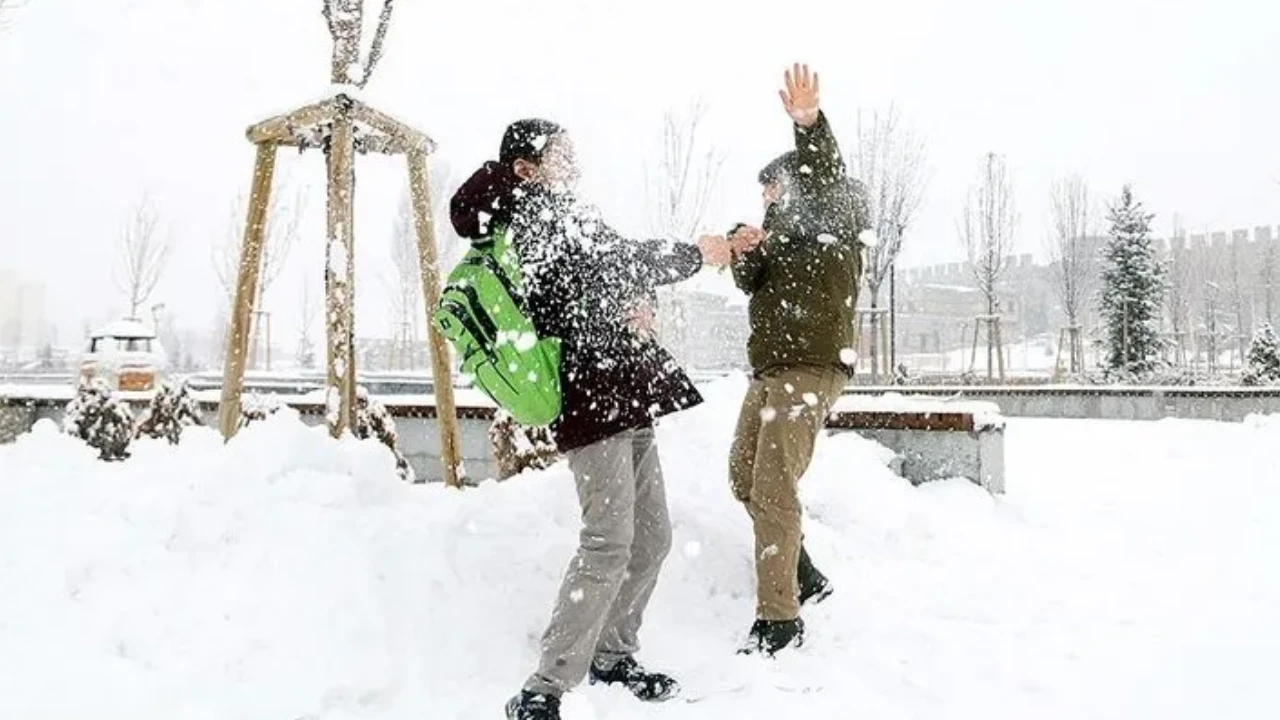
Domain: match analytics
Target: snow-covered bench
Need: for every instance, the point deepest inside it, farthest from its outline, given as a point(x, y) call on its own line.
point(934, 438)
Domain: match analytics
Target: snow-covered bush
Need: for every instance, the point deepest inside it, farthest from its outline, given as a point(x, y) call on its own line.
point(99, 417)
point(1263, 364)
point(254, 407)
point(373, 421)
point(518, 448)
point(171, 410)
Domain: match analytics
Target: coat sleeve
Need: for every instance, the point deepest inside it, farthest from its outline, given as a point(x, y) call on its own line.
point(651, 263)
point(748, 271)
point(821, 164)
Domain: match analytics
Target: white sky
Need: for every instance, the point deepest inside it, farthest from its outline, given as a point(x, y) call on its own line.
point(106, 99)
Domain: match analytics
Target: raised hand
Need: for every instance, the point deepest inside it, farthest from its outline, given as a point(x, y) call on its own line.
point(800, 97)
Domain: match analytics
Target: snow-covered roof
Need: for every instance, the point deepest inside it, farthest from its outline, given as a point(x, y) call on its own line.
point(124, 329)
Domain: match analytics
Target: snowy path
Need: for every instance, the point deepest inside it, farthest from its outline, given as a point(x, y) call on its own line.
point(1131, 572)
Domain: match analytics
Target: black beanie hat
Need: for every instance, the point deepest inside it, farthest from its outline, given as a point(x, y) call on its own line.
point(526, 140)
point(781, 165)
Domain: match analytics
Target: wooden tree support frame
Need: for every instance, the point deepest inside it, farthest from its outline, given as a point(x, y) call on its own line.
point(1070, 340)
point(995, 343)
point(341, 126)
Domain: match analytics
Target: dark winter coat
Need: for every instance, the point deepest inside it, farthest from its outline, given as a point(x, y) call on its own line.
point(580, 279)
point(803, 279)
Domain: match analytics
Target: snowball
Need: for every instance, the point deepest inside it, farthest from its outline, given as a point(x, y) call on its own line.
point(848, 356)
point(868, 238)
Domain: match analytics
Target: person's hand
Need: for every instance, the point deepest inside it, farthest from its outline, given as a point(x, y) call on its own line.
point(715, 250)
point(642, 320)
point(800, 98)
point(745, 238)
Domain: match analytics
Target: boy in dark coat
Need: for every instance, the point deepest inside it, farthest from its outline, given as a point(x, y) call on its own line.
point(588, 286)
point(801, 271)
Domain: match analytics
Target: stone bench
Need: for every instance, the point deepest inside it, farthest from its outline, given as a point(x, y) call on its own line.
point(934, 439)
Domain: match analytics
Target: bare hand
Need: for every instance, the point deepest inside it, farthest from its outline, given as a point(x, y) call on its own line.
point(745, 239)
point(800, 98)
point(715, 250)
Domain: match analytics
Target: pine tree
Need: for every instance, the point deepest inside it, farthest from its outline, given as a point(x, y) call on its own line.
point(99, 417)
point(374, 422)
point(172, 409)
point(1264, 358)
point(1132, 291)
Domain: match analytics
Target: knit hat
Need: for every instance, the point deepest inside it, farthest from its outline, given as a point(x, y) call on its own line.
point(526, 140)
point(781, 166)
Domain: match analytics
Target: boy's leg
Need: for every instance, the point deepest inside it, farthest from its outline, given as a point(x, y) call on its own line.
point(649, 548)
point(798, 401)
point(746, 441)
point(605, 480)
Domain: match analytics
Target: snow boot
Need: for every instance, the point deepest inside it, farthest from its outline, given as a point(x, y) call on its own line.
point(814, 586)
point(645, 685)
point(770, 636)
point(533, 706)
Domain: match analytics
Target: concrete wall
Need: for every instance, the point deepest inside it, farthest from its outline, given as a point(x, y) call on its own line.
point(1222, 404)
point(927, 455)
point(419, 438)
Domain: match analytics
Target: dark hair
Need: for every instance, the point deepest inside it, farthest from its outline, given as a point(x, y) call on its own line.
point(527, 140)
point(778, 168)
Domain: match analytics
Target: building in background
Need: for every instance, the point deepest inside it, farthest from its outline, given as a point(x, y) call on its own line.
point(24, 325)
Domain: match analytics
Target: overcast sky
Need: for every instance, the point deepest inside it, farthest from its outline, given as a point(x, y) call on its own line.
point(104, 100)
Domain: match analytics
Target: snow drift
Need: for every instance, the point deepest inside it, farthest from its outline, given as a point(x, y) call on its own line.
point(287, 576)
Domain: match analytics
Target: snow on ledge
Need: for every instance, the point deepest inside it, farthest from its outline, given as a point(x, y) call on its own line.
point(986, 415)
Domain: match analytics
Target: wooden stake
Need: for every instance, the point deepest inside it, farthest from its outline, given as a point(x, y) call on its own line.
point(429, 266)
point(339, 277)
point(246, 291)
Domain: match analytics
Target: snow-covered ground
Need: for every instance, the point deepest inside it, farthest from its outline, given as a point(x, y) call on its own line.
point(1130, 572)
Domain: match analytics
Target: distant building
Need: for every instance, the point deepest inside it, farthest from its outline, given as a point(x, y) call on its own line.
point(23, 321)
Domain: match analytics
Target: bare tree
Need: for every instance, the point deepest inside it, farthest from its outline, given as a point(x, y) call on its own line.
point(1178, 297)
point(684, 177)
point(346, 24)
point(143, 253)
point(986, 228)
point(306, 353)
point(1071, 257)
point(404, 287)
point(404, 284)
point(281, 234)
point(888, 159)
point(680, 185)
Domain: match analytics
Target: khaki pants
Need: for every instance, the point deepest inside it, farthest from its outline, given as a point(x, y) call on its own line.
point(626, 534)
point(784, 410)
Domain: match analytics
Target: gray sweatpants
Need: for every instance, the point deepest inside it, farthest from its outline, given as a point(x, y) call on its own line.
point(626, 533)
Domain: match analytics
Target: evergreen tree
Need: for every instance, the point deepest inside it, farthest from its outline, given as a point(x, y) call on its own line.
point(1132, 291)
point(1264, 358)
point(99, 417)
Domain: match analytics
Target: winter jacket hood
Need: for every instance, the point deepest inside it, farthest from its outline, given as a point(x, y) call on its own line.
point(485, 201)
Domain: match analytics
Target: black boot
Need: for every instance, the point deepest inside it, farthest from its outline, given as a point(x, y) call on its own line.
point(533, 706)
point(648, 686)
point(814, 586)
point(770, 636)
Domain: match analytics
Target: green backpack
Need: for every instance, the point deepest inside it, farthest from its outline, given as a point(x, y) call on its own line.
point(481, 312)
